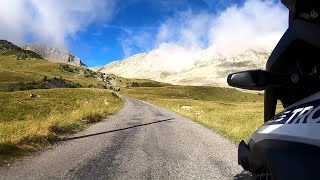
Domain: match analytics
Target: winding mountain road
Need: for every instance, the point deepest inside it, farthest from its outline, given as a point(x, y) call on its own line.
point(142, 141)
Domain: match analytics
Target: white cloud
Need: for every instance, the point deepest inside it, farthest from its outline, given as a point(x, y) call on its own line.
point(50, 21)
point(180, 40)
point(257, 25)
point(186, 29)
point(171, 58)
point(12, 22)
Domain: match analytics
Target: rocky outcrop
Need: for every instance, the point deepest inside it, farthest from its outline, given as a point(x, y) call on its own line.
point(55, 54)
point(6, 46)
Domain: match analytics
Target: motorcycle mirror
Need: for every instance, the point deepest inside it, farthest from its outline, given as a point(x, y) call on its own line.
point(252, 79)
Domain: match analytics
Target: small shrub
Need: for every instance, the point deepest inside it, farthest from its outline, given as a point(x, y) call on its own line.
point(42, 85)
point(89, 74)
point(114, 94)
point(45, 78)
point(30, 86)
point(135, 84)
point(74, 85)
point(68, 68)
point(21, 86)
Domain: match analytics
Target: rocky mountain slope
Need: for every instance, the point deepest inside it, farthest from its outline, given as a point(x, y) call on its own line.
point(207, 69)
point(7, 47)
point(55, 54)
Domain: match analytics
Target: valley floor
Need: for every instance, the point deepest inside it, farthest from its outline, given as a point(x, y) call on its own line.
point(31, 120)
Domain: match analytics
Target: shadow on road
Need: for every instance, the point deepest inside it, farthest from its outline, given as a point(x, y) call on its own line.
point(105, 132)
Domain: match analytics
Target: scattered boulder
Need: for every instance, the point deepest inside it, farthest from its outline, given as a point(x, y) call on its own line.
point(187, 108)
point(34, 95)
point(135, 84)
point(106, 102)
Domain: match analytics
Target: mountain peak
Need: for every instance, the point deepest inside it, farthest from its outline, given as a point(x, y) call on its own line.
point(207, 68)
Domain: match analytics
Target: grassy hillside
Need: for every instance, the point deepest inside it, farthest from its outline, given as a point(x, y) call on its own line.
point(230, 112)
point(15, 71)
point(29, 123)
point(32, 119)
point(126, 82)
point(8, 48)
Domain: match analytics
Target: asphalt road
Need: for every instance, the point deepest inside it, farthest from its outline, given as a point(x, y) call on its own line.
point(142, 141)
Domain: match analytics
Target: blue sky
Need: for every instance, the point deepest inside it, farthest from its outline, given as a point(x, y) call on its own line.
point(100, 43)
point(102, 31)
